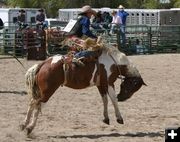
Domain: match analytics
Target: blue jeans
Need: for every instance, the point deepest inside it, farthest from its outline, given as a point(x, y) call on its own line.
point(122, 34)
point(84, 53)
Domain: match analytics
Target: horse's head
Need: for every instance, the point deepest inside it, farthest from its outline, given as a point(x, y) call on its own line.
point(131, 83)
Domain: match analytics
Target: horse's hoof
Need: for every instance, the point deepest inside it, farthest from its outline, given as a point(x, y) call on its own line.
point(22, 127)
point(120, 121)
point(106, 121)
point(28, 131)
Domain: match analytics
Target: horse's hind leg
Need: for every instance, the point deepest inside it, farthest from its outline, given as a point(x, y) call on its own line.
point(37, 109)
point(28, 115)
point(103, 93)
point(113, 98)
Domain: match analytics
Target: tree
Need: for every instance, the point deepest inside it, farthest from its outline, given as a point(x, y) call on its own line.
point(52, 6)
point(177, 4)
point(150, 4)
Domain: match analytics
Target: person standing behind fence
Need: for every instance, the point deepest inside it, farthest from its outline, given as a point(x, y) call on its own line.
point(21, 16)
point(40, 19)
point(1, 24)
point(96, 23)
point(107, 19)
point(116, 21)
point(21, 19)
point(123, 15)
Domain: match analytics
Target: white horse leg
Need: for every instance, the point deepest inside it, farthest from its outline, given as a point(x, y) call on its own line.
point(103, 92)
point(113, 98)
point(36, 111)
point(105, 112)
point(28, 116)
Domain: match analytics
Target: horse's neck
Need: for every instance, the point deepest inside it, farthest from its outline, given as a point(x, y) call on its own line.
point(106, 60)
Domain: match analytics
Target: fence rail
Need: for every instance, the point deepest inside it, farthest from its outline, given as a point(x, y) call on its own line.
point(140, 39)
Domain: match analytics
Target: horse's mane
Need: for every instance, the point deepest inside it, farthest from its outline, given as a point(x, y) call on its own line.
point(106, 46)
point(119, 56)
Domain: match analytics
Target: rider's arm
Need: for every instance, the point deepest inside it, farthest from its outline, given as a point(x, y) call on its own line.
point(86, 28)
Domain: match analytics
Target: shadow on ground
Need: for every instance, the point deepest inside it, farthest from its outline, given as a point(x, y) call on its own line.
point(96, 136)
point(14, 92)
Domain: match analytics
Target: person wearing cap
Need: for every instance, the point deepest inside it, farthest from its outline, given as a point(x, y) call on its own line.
point(21, 19)
point(123, 15)
point(40, 18)
point(85, 16)
point(85, 33)
point(116, 21)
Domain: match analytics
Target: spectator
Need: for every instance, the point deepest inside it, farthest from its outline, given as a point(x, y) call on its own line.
point(97, 21)
point(116, 21)
point(123, 15)
point(1, 24)
point(40, 19)
point(21, 19)
point(107, 19)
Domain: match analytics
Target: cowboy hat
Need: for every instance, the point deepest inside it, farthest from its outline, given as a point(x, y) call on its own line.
point(121, 7)
point(87, 9)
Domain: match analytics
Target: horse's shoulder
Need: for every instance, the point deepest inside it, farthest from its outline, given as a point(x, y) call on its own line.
point(55, 59)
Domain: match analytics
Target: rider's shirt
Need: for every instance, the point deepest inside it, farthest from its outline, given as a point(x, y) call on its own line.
point(85, 23)
point(40, 18)
point(21, 18)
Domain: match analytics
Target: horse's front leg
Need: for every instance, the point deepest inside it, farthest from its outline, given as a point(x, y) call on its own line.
point(113, 98)
point(103, 93)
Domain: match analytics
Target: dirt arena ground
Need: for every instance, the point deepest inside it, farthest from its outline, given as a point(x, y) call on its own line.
point(76, 115)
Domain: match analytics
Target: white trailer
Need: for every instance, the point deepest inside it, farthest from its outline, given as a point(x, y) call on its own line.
point(9, 18)
point(9, 15)
point(152, 17)
point(67, 14)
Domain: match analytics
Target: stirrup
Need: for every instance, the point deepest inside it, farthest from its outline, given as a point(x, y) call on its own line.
point(78, 61)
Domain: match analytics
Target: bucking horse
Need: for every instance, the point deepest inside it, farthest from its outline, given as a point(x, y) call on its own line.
point(45, 78)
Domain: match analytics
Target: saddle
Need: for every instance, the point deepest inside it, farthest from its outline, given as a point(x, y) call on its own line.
point(88, 45)
point(84, 50)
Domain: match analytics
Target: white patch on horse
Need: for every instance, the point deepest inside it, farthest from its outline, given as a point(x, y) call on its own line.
point(107, 61)
point(119, 57)
point(56, 58)
point(112, 93)
point(91, 81)
point(31, 69)
point(111, 56)
point(132, 70)
point(113, 98)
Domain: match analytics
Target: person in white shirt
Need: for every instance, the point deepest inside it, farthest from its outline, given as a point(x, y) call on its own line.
point(116, 21)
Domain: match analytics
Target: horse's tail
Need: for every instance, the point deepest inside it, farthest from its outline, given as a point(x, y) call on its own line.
point(30, 78)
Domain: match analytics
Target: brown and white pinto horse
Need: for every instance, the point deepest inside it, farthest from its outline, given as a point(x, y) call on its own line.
point(44, 79)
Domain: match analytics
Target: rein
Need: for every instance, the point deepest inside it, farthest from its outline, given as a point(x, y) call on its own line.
point(17, 60)
point(119, 70)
